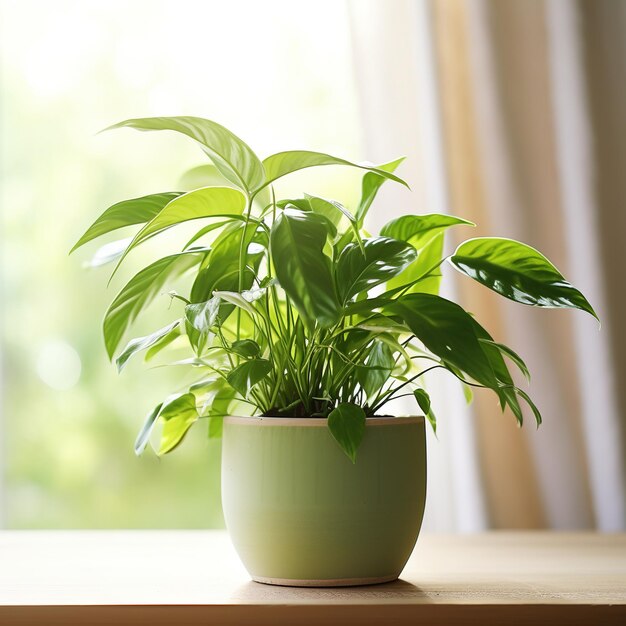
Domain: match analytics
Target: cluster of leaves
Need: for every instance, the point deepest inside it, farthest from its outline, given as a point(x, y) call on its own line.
point(296, 311)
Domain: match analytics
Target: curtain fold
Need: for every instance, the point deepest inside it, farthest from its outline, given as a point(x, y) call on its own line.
point(530, 137)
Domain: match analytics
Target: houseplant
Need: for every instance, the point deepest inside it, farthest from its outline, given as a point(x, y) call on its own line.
point(305, 326)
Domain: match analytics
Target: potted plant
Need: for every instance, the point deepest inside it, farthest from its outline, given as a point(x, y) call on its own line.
point(302, 327)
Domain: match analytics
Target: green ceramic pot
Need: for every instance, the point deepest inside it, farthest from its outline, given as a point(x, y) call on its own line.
point(300, 513)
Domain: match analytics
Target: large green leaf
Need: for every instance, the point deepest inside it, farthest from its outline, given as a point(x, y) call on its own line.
point(302, 269)
point(380, 259)
point(178, 414)
point(248, 374)
point(347, 425)
point(425, 233)
point(232, 156)
point(283, 163)
point(331, 209)
point(143, 343)
point(127, 213)
point(140, 291)
point(222, 270)
point(518, 272)
point(419, 229)
point(198, 204)
point(372, 182)
point(447, 331)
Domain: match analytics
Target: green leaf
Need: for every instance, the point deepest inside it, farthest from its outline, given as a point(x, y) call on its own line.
point(244, 299)
point(283, 163)
point(423, 400)
point(143, 343)
point(219, 408)
point(516, 358)
point(447, 331)
point(424, 274)
point(205, 231)
point(178, 414)
point(199, 319)
point(232, 156)
point(127, 213)
point(383, 259)
point(206, 175)
point(347, 425)
point(165, 341)
point(370, 186)
point(425, 233)
point(248, 374)
point(146, 430)
point(377, 368)
point(198, 204)
point(531, 404)
point(420, 229)
point(221, 271)
point(331, 209)
point(505, 388)
point(297, 240)
point(518, 272)
point(246, 348)
point(140, 291)
point(335, 212)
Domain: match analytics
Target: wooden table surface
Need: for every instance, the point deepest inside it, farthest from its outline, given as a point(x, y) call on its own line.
point(194, 577)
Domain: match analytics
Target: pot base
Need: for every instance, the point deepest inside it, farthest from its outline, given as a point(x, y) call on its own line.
point(331, 582)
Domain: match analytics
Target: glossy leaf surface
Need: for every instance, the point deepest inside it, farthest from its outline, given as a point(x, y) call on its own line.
point(375, 371)
point(283, 163)
point(303, 270)
point(419, 229)
point(425, 233)
point(127, 213)
point(198, 204)
point(347, 426)
point(447, 331)
point(380, 259)
point(248, 374)
point(246, 348)
point(222, 270)
point(199, 319)
point(370, 185)
point(232, 156)
point(518, 272)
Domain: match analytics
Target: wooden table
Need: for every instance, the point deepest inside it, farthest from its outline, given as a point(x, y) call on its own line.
point(194, 577)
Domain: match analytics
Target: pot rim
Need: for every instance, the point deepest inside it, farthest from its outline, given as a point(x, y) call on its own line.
point(259, 420)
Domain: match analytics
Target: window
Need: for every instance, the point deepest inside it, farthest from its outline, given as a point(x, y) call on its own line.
point(281, 78)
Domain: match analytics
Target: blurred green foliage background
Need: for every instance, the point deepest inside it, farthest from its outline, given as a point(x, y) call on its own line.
point(69, 69)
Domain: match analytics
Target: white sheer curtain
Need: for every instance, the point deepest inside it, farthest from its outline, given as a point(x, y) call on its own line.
point(489, 102)
point(395, 67)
